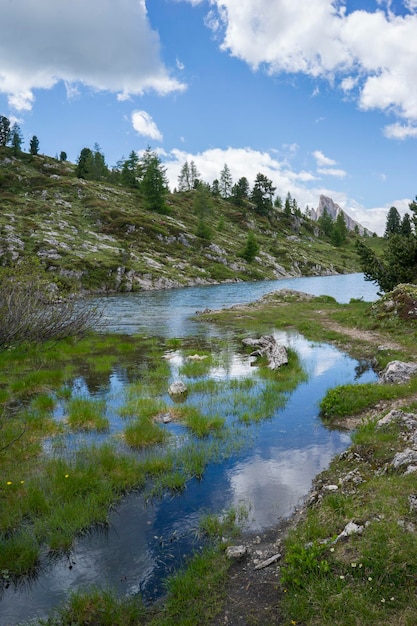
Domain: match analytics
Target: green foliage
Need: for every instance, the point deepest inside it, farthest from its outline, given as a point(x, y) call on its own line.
point(4, 130)
point(16, 139)
point(397, 265)
point(262, 194)
point(393, 223)
point(251, 248)
point(225, 182)
point(154, 183)
point(204, 230)
point(34, 145)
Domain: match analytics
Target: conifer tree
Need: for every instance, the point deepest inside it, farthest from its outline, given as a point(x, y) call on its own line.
point(34, 145)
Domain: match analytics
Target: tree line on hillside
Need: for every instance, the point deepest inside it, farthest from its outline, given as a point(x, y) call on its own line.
point(11, 135)
point(146, 174)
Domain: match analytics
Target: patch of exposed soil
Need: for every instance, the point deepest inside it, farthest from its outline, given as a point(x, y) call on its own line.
point(358, 334)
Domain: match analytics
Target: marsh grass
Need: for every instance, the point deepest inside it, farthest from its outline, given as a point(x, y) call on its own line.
point(98, 606)
point(143, 407)
point(87, 414)
point(142, 432)
point(199, 424)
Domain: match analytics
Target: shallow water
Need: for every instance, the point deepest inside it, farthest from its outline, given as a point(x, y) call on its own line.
point(271, 475)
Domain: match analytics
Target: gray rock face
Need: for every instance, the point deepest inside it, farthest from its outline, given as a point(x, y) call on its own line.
point(398, 372)
point(268, 346)
point(334, 210)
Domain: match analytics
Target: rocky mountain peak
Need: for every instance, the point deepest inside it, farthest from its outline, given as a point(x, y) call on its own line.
point(333, 209)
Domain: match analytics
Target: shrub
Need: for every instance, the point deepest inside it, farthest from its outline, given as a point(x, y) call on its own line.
point(31, 310)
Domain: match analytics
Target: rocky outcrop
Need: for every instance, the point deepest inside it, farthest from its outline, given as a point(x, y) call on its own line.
point(268, 347)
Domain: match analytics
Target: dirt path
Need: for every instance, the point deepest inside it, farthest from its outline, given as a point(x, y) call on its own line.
point(359, 334)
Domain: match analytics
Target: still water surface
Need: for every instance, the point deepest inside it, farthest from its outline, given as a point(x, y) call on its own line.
point(145, 541)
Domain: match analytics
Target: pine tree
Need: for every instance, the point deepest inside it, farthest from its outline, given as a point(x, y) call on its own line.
point(34, 145)
point(184, 178)
point(225, 182)
point(153, 183)
point(4, 130)
point(16, 139)
point(262, 194)
point(251, 248)
point(406, 229)
point(240, 191)
point(84, 167)
point(393, 223)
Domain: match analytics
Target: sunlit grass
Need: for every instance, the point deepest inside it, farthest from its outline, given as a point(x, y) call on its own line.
point(87, 414)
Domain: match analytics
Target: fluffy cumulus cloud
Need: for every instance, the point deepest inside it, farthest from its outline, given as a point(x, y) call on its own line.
point(103, 44)
point(324, 165)
point(144, 125)
point(372, 54)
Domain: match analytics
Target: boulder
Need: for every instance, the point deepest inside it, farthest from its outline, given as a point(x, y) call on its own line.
point(267, 346)
point(177, 389)
point(398, 372)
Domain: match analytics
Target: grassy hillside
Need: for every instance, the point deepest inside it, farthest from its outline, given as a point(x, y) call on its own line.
point(98, 235)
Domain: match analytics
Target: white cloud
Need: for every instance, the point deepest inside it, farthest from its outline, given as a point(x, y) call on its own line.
point(400, 131)
point(143, 124)
point(103, 45)
point(332, 171)
point(323, 160)
point(374, 52)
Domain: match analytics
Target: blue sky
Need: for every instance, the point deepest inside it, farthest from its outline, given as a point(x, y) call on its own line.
point(320, 96)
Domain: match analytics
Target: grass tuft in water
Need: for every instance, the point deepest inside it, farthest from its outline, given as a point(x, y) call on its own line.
point(87, 414)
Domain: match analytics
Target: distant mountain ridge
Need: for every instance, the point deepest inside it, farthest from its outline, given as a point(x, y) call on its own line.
point(334, 210)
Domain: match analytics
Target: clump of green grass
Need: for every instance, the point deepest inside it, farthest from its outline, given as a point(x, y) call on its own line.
point(87, 414)
point(199, 424)
point(143, 432)
point(352, 399)
point(98, 606)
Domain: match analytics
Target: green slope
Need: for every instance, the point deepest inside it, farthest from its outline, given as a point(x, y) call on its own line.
point(98, 236)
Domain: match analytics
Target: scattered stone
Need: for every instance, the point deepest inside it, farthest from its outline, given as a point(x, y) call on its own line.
point(350, 529)
point(331, 487)
point(268, 562)
point(236, 552)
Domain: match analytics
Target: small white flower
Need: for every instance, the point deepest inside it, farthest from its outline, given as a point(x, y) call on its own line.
point(342, 577)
